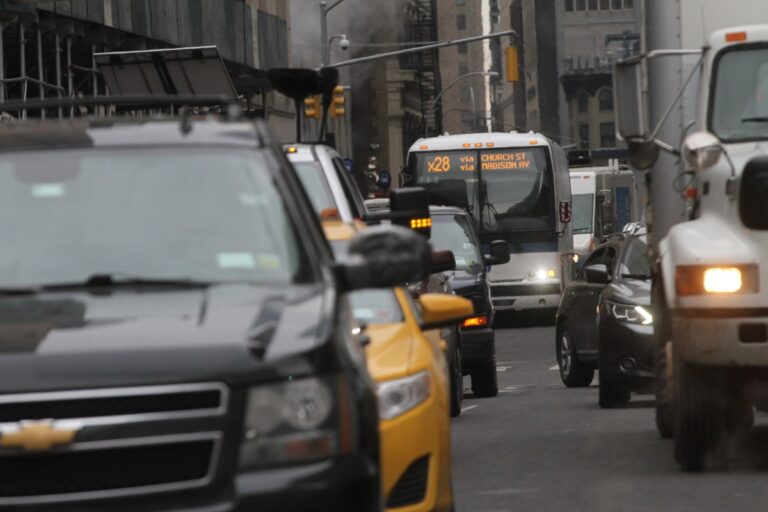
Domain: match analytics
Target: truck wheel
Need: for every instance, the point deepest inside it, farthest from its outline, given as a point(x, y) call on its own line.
point(661, 335)
point(484, 380)
point(698, 414)
point(612, 394)
point(457, 381)
point(573, 373)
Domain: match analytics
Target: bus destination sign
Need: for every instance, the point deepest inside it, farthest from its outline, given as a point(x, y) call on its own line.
point(505, 160)
point(451, 162)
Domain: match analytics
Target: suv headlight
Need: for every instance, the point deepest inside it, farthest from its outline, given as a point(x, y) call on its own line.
point(631, 314)
point(296, 421)
point(396, 397)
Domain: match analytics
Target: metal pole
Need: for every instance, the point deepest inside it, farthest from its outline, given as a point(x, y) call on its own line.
point(40, 74)
point(57, 44)
point(462, 77)
point(325, 49)
point(444, 44)
point(70, 78)
point(474, 108)
point(23, 67)
point(2, 64)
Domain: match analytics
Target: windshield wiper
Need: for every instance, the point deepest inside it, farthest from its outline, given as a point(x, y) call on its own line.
point(107, 281)
point(644, 277)
point(755, 120)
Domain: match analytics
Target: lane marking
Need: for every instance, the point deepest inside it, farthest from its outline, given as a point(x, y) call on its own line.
point(468, 408)
point(502, 368)
point(554, 368)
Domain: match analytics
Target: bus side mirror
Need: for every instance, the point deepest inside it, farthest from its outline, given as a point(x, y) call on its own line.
point(499, 253)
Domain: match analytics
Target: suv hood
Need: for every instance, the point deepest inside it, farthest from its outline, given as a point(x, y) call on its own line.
point(129, 337)
point(630, 291)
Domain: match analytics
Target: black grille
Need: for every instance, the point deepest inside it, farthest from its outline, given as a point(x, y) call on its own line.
point(103, 470)
point(110, 406)
point(525, 289)
point(411, 488)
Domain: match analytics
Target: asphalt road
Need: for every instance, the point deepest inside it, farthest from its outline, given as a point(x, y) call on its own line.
point(539, 446)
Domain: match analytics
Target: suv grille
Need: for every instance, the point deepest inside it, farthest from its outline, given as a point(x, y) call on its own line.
point(102, 470)
point(522, 290)
point(411, 488)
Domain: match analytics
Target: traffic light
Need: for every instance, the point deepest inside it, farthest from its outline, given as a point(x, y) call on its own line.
point(312, 108)
point(513, 64)
point(338, 102)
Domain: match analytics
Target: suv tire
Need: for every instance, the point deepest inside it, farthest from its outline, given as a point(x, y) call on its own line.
point(661, 336)
point(457, 381)
point(485, 380)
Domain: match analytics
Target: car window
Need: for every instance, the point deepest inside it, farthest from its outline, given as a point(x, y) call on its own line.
point(372, 307)
point(593, 259)
point(351, 190)
point(609, 260)
point(316, 186)
point(635, 260)
point(454, 233)
point(200, 214)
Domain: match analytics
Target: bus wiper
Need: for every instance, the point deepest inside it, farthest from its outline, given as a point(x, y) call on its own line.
point(107, 281)
point(755, 120)
point(644, 277)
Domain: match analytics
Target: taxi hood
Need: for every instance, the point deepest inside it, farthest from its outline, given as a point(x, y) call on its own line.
point(390, 351)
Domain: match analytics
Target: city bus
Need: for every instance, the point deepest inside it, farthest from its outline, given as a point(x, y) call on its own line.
point(517, 188)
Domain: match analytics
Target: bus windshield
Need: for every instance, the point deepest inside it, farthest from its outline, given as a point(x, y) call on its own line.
point(506, 190)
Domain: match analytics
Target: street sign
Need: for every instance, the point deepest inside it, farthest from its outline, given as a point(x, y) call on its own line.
point(385, 179)
point(349, 165)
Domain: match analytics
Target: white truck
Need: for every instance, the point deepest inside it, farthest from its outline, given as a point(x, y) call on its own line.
point(693, 109)
point(605, 199)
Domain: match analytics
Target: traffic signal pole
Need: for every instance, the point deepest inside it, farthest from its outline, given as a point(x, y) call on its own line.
point(425, 48)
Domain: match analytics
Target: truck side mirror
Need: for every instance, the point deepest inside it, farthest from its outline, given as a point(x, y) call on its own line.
point(631, 109)
point(499, 253)
point(702, 150)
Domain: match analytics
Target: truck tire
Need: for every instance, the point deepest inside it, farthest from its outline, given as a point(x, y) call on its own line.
point(612, 394)
point(484, 380)
point(698, 414)
point(661, 335)
point(573, 372)
point(457, 381)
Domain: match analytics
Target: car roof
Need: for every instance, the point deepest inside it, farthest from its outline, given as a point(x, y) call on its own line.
point(116, 133)
point(307, 151)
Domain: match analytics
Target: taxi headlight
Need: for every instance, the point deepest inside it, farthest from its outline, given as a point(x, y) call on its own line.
point(716, 280)
point(396, 397)
point(630, 314)
point(294, 421)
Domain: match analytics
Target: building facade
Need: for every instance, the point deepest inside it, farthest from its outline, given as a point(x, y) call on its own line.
point(48, 46)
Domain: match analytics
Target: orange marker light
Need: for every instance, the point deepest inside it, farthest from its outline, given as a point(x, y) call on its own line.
point(476, 321)
point(490, 144)
point(478, 144)
point(292, 150)
point(534, 142)
point(735, 37)
point(467, 145)
point(423, 147)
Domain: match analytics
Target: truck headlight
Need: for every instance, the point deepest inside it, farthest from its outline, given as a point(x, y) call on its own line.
point(295, 421)
point(631, 314)
point(396, 397)
point(716, 280)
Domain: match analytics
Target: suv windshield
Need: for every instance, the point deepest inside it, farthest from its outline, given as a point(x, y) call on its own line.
point(454, 233)
point(740, 107)
point(206, 215)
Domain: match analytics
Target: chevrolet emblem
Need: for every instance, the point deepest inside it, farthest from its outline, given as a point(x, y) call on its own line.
point(37, 436)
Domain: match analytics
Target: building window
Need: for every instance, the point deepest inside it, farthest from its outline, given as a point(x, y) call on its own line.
point(461, 22)
point(581, 5)
point(616, 4)
point(569, 5)
point(462, 48)
point(584, 136)
point(605, 99)
point(592, 5)
point(605, 5)
point(583, 101)
point(607, 135)
point(461, 3)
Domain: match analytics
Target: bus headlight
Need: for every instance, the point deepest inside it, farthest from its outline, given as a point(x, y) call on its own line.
point(542, 274)
point(716, 280)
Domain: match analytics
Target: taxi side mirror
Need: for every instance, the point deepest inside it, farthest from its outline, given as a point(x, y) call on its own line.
point(442, 310)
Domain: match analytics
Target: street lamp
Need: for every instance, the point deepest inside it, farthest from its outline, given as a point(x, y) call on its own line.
point(492, 74)
point(324, 10)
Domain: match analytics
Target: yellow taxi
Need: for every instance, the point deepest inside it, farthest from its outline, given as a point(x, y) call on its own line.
point(413, 384)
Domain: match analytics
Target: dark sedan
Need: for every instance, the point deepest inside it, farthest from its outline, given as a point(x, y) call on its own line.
point(604, 322)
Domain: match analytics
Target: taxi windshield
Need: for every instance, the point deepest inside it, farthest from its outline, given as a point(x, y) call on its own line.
point(207, 215)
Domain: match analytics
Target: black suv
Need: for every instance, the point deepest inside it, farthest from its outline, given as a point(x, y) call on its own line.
point(453, 230)
point(174, 333)
point(605, 322)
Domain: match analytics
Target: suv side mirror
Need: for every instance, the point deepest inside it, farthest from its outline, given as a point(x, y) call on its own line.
point(383, 257)
point(597, 274)
point(443, 261)
point(442, 310)
point(499, 253)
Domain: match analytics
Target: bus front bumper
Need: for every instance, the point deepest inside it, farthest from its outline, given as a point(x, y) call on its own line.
point(524, 296)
